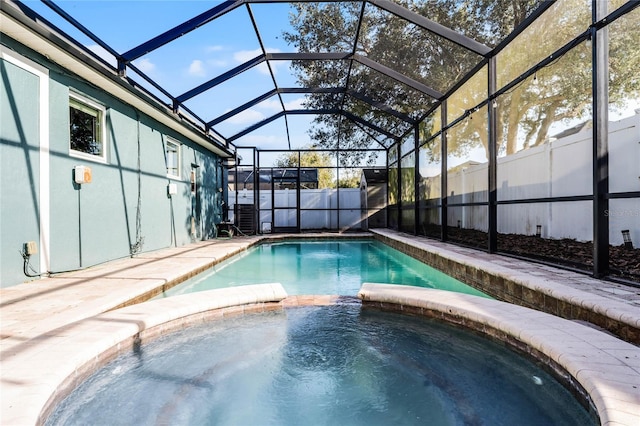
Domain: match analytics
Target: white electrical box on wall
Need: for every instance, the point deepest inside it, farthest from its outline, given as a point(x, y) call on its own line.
point(31, 248)
point(172, 189)
point(82, 174)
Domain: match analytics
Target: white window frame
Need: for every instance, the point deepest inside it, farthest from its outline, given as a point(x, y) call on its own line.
point(102, 116)
point(178, 150)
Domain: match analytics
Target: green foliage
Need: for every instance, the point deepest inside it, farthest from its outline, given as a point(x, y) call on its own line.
point(310, 159)
point(526, 114)
point(391, 41)
point(349, 178)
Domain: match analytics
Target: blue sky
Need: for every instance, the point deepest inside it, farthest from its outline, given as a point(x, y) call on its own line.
point(199, 56)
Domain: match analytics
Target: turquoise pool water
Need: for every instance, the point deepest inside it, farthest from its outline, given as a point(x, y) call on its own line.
point(322, 267)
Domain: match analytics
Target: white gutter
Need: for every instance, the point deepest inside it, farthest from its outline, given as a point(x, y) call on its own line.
point(99, 75)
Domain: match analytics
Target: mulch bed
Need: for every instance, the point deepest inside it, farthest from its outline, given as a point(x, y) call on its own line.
point(624, 262)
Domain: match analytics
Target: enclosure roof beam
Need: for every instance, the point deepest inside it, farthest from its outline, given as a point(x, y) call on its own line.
point(271, 93)
point(325, 56)
point(81, 27)
point(346, 114)
point(316, 111)
point(256, 61)
point(256, 126)
point(220, 79)
point(434, 27)
point(281, 114)
point(182, 29)
point(368, 133)
point(242, 107)
point(381, 106)
point(308, 56)
point(389, 72)
point(364, 122)
point(312, 89)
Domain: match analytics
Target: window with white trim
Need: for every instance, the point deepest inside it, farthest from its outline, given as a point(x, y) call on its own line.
point(86, 128)
point(172, 154)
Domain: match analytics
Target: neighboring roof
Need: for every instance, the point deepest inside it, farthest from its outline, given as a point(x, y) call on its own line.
point(375, 175)
point(279, 174)
point(573, 130)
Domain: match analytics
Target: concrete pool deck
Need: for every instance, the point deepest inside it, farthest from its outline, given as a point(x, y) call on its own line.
point(605, 304)
point(37, 317)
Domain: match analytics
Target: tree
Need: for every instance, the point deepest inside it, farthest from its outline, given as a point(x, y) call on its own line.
point(526, 114)
point(330, 27)
point(349, 178)
point(310, 159)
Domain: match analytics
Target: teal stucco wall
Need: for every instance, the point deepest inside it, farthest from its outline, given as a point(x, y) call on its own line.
point(19, 169)
point(126, 205)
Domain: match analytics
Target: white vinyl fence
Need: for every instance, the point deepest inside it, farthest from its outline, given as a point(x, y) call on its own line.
point(562, 167)
point(559, 168)
point(318, 208)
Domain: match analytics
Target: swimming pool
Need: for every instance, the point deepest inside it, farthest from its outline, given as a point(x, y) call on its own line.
point(329, 365)
point(322, 267)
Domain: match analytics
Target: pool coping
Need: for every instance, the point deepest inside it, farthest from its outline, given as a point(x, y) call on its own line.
point(69, 297)
point(607, 368)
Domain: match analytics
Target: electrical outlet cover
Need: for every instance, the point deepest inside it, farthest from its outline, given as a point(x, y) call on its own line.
point(31, 247)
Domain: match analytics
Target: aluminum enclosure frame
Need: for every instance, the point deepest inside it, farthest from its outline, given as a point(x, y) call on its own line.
point(487, 57)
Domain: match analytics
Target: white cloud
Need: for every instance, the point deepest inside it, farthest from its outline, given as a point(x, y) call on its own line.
point(264, 69)
point(274, 104)
point(197, 68)
point(295, 104)
point(263, 141)
point(271, 105)
point(145, 65)
point(102, 53)
point(243, 56)
point(218, 60)
point(248, 116)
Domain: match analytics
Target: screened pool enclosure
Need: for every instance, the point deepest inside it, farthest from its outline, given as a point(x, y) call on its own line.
point(510, 127)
